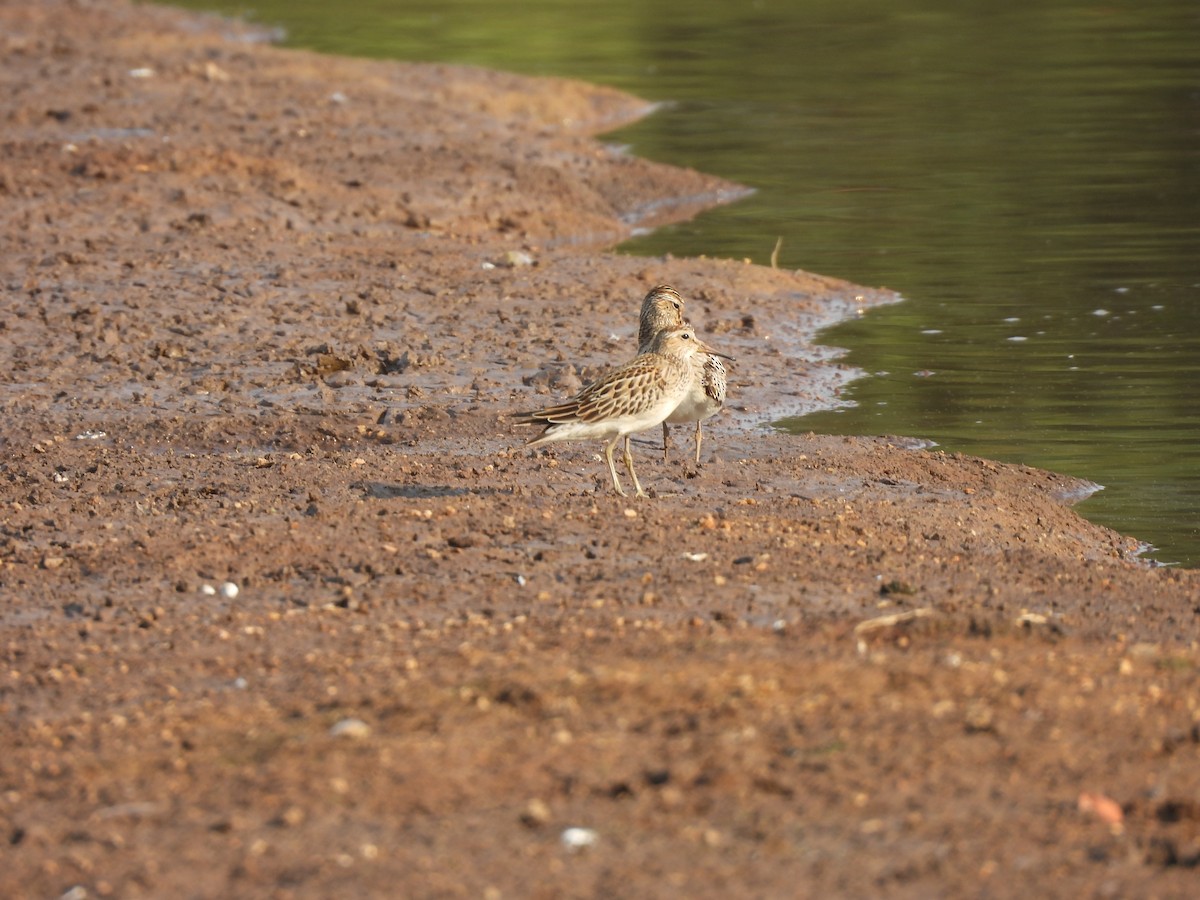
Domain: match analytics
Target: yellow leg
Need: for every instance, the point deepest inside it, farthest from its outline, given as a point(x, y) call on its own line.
point(697, 443)
point(629, 466)
point(666, 440)
point(612, 467)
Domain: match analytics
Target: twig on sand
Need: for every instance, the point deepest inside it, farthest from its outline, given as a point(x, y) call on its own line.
point(880, 622)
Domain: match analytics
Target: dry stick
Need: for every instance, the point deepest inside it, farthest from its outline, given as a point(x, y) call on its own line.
point(775, 252)
point(875, 624)
point(894, 619)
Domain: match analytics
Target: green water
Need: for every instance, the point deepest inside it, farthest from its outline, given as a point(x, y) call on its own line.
point(1025, 173)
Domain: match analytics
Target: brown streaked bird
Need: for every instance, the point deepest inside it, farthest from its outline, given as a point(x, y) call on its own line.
point(663, 309)
point(633, 397)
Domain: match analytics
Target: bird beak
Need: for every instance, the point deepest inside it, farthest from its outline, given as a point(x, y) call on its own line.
point(707, 349)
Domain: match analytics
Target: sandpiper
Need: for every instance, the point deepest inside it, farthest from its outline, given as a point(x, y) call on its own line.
point(633, 397)
point(663, 309)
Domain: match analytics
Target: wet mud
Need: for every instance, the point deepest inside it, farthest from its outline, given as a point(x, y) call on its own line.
point(289, 610)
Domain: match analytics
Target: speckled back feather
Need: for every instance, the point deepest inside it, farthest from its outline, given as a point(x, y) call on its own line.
point(628, 390)
point(631, 390)
point(715, 378)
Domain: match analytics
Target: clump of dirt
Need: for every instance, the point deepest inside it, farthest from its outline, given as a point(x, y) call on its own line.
point(288, 610)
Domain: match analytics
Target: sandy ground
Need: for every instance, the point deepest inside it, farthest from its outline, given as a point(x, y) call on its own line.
point(263, 316)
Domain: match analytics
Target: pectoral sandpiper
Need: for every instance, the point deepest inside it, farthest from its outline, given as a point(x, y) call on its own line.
point(663, 309)
point(630, 398)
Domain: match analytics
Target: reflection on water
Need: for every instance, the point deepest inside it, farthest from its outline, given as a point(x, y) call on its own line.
point(1026, 174)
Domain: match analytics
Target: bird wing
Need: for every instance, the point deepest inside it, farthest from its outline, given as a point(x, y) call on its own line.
point(628, 389)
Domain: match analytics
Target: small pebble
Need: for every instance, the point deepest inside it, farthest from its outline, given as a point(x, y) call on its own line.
point(229, 590)
point(515, 259)
point(575, 839)
point(208, 590)
point(536, 813)
point(351, 728)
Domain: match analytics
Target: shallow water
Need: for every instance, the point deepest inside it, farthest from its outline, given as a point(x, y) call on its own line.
point(1027, 175)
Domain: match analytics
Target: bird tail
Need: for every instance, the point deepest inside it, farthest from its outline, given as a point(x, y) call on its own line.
point(552, 415)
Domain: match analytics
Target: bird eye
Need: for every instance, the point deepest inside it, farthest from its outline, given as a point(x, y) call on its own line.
point(674, 304)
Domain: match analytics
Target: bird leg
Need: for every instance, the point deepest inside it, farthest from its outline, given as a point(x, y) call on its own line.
point(629, 466)
point(612, 468)
point(697, 443)
point(666, 440)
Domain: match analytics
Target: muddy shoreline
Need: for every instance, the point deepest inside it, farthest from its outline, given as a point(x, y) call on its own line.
point(288, 610)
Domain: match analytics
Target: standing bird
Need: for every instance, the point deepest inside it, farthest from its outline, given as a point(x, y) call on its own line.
point(633, 397)
point(663, 309)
